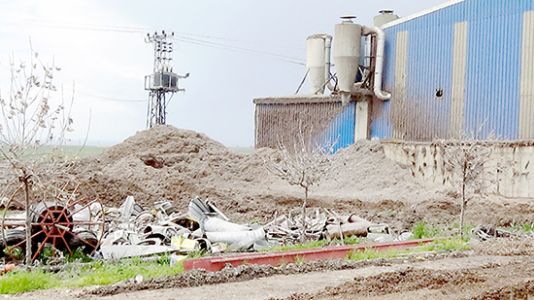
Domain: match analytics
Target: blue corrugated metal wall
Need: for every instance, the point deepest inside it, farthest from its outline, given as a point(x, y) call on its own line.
point(340, 132)
point(324, 122)
point(491, 96)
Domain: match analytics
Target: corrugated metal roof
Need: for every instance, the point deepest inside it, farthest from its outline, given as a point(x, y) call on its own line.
point(422, 13)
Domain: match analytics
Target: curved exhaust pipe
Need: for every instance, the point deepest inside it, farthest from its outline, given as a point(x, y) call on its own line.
point(379, 64)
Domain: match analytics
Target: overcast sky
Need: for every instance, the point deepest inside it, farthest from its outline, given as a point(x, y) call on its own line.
point(235, 50)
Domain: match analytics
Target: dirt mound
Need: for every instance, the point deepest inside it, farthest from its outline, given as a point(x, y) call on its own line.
point(165, 162)
point(362, 171)
point(505, 247)
point(523, 290)
point(395, 282)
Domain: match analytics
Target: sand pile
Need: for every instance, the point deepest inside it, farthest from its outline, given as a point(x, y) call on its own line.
point(165, 162)
point(174, 164)
point(363, 172)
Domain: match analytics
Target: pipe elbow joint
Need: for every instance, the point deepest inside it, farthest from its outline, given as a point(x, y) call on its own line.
point(382, 95)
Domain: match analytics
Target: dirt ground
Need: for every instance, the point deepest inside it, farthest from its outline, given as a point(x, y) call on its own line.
point(472, 276)
point(168, 163)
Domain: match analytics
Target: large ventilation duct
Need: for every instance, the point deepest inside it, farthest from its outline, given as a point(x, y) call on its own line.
point(379, 61)
point(316, 62)
point(347, 41)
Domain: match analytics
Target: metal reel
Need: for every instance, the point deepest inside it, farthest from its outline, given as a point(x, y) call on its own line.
point(59, 226)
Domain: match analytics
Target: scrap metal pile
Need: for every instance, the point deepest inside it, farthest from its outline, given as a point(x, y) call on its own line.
point(55, 227)
point(131, 230)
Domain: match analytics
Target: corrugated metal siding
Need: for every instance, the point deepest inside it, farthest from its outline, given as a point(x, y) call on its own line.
point(492, 81)
point(340, 132)
point(381, 110)
point(493, 69)
point(526, 122)
point(459, 62)
point(323, 123)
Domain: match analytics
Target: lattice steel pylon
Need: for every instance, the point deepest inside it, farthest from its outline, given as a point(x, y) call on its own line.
point(162, 81)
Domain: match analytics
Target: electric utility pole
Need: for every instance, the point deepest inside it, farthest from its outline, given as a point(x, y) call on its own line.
point(162, 81)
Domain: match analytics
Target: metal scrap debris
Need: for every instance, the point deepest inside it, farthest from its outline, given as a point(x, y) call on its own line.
point(134, 231)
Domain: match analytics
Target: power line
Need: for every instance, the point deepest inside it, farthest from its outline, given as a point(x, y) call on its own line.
point(195, 39)
point(205, 43)
point(113, 99)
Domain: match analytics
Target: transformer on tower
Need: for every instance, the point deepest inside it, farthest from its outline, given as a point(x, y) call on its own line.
point(162, 81)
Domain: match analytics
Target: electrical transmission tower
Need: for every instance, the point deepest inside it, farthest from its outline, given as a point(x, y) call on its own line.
point(162, 81)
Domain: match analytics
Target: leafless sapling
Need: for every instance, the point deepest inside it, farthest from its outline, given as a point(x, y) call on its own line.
point(467, 161)
point(32, 122)
point(301, 165)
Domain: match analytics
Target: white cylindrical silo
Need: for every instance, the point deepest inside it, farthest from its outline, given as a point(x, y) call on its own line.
point(315, 63)
point(346, 51)
point(384, 17)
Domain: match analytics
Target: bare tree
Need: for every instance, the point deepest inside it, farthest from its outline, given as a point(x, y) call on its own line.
point(302, 165)
point(467, 160)
point(31, 124)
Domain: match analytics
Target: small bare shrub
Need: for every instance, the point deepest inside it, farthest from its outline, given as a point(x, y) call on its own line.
point(30, 126)
point(302, 165)
point(467, 161)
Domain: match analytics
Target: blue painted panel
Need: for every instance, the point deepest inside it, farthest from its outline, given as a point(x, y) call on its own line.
point(381, 110)
point(492, 74)
point(341, 130)
point(493, 69)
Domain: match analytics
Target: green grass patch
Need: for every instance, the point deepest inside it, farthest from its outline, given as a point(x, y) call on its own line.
point(452, 244)
point(421, 230)
point(285, 248)
point(24, 281)
point(528, 228)
point(81, 152)
point(96, 273)
point(313, 244)
point(69, 152)
point(101, 273)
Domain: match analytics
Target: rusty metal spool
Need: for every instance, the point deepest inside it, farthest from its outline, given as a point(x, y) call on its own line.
point(53, 224)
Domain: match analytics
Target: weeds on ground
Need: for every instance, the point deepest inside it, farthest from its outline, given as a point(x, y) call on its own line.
point(96, 273)
point(370, 254)
point(309, 245)
point(468, 228)
point(421, 230)
point(451, 244)
point(528, 228)
point(313, 244)
point(24, 281)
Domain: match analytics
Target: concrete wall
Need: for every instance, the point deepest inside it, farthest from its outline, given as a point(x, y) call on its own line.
point(510, 172)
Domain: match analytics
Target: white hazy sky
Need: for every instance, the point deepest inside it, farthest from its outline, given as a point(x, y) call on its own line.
point(100, 46)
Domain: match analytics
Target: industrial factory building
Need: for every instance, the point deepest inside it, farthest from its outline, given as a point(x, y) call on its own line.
point(464, 68)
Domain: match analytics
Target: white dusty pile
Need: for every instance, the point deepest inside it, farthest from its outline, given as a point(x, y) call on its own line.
point(363, 172)
point(165, 162)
